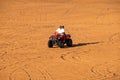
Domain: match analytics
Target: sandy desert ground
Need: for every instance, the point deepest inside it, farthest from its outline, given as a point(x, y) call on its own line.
point(25, 27)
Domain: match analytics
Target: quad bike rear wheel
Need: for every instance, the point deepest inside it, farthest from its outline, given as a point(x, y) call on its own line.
point(50, 44)
point(69, 42)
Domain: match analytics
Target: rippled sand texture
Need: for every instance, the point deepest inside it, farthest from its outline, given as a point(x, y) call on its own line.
point(25, 27)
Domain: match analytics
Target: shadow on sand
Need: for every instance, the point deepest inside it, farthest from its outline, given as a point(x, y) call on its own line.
point(84, 44)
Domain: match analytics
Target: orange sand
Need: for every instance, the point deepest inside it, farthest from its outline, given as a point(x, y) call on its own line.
point(25, 26)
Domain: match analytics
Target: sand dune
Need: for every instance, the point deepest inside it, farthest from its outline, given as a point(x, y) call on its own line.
point(25, 27)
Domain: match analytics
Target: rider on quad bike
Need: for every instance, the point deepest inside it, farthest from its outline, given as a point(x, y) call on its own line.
point(59, 38)
point(60, 32)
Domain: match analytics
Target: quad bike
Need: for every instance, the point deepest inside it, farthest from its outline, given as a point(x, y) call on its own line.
point(60, 40)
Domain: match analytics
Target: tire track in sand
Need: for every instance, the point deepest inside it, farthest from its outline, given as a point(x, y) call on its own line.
point(24, 71)
point(74, 55)
point(103, 71)
point(40, 71)
point(114, 38)
point(30, 72)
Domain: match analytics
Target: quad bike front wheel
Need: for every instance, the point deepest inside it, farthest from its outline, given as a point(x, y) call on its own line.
point(61, 44)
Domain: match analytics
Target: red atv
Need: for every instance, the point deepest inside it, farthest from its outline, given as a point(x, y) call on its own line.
point(59, 40)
